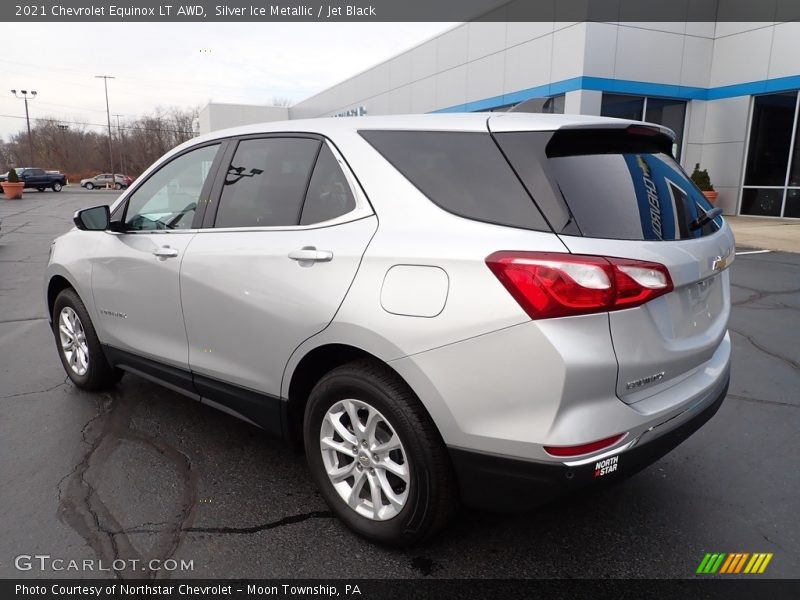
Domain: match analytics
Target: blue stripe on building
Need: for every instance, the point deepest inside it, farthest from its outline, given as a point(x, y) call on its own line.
point(636, 88)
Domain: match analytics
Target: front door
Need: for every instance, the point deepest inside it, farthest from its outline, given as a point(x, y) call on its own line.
point(135, 274)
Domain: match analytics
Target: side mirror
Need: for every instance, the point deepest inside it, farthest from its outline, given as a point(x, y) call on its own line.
point(96, 218)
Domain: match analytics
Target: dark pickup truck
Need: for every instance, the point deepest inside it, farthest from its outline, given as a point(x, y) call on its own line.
point(39, 179)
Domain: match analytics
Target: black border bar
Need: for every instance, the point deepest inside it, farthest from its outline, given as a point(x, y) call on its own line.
point(399, 10)
point(390, 589)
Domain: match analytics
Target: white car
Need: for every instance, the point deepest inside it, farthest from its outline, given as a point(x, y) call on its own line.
point(493, 308)
point(104, 180)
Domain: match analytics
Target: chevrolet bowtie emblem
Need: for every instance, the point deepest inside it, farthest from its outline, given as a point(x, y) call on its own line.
point(720, 262)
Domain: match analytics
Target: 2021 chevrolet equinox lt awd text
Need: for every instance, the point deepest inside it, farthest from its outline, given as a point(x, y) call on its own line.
point(492, 308)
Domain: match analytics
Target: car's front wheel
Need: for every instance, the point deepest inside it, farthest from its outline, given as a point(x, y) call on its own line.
point(78, 346)
point(57, 186)
point(376, 456)
point(89, 186)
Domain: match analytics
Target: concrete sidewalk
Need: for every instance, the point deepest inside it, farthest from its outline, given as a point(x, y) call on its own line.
point(766, 233)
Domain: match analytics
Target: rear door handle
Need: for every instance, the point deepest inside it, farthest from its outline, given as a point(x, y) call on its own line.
point(165, 252)
point(310, 255)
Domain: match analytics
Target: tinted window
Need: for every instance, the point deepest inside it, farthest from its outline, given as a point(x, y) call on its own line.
point(622, 106)
point(266, 182)
point(169, 197)
point(463, 173)
point(770, 139)
point(612, 184)
point(329, 194)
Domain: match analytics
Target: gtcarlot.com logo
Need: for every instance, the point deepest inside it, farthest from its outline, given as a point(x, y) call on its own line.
point(734, 563)
point(45, 562)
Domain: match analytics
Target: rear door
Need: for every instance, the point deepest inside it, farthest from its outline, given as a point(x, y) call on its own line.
point(276, 256)
point(619, 193)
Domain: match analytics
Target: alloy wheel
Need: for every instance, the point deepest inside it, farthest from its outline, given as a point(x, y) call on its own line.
point(73, 341)
point(365, 459)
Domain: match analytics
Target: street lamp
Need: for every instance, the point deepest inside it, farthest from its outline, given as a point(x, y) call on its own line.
point(63, 128)
point(105, 79)
point(25, 95)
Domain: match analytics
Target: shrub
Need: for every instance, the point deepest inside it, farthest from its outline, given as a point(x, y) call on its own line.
point(701, 179)
point(12, 176)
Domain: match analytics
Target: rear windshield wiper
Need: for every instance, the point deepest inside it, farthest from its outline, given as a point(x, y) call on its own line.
point(707, 217)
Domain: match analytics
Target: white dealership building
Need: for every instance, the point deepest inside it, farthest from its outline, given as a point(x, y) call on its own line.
point(728, 90)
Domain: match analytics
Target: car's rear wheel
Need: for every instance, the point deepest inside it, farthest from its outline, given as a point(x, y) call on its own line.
point(78, 346)
point(89, 186)
point(376, 456)
point(57, 187)
point(41, 188)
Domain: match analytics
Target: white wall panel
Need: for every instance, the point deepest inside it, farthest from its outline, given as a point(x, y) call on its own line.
point(485, 77)
point(742, 57)
point(785, 55)
point(451, 87)
point(528, 65)
point(485, 39)
point(451, 48)
point(644, 55)
point(568, 51)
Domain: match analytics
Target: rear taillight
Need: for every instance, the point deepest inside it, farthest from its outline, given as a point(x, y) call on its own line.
point(549, 284)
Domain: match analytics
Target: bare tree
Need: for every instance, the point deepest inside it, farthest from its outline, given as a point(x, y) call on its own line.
point(81, 149)
point(281, 101)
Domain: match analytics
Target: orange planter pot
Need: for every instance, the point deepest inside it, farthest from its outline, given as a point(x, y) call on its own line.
point(711, 196)
point(13, 191)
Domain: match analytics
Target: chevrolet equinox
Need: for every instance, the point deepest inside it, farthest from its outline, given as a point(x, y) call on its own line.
point(495, 309)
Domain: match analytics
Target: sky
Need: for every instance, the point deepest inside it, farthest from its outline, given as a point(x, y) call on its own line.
point(184, 64)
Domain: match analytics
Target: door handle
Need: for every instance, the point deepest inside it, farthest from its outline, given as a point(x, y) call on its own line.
point(165, 252)
point(310, 255)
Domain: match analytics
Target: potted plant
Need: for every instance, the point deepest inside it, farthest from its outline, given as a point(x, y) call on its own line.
point(13, 186)
point(703, 181)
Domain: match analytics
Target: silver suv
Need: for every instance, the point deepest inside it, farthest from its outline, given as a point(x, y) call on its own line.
point(491, 308)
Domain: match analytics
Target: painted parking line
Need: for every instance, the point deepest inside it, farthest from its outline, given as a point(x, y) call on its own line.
point(753, 252)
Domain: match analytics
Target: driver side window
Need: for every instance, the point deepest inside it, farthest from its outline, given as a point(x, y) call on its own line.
point(169, 197)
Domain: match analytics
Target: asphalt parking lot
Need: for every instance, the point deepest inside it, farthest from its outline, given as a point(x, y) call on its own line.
point(143, 472)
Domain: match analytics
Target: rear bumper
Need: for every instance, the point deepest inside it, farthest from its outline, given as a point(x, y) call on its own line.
point(502, 483)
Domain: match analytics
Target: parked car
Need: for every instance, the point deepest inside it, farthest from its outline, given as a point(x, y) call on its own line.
point(498, 308)
point(40, 179)
point(103, 180)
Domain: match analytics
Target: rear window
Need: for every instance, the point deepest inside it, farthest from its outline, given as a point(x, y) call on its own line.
point(462, 173)
point(611, 184)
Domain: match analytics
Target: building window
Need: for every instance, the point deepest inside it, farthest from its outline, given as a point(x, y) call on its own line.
point(772, 172)
point(663, 111)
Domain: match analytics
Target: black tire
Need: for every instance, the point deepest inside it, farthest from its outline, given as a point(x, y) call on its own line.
point(99, 374)
point(432, 494)
point(117, 186)
point(57, 186)
point(41, 188)
point(89, 185)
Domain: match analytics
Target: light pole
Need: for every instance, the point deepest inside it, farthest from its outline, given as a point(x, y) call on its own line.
point(63, 128)
point(25, 97)
point(105, 79)
point(121, 146)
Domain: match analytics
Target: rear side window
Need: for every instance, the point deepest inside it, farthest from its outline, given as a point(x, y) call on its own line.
point(266, 182)
point(329, 194)
point(614, 184)
point(463, 173)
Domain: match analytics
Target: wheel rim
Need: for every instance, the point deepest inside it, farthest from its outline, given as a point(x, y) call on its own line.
point(365, 459)
point(73, 341)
